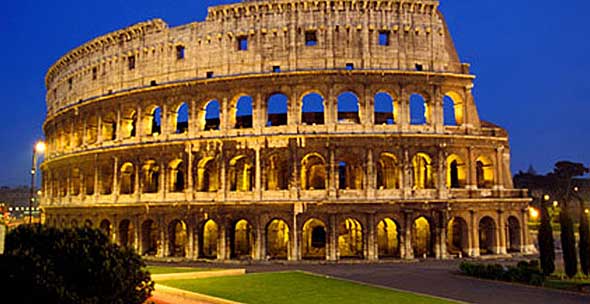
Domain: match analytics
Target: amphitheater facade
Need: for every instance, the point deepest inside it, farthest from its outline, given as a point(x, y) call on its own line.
point(281, 129)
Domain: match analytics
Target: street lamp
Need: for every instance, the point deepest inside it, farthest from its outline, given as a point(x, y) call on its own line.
point(38, 149)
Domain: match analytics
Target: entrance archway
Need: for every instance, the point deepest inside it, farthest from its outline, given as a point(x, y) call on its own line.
point(277, 239)
point(513, 235)
point(126, 233)
point(149, 238)
point(350, 239)
point(458, 237)
point(242, 240)
point(422, 241)
point(177, 239)
point(388, 239)
point(313, 244)
point(487, 236)
point(209, 236)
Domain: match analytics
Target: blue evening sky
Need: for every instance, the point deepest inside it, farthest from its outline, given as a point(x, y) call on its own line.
point(530, 58)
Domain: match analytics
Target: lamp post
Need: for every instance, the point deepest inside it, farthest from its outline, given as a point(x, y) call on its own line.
point(39, 148)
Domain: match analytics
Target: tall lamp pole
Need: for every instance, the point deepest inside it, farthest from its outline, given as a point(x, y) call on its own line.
point(38, 149)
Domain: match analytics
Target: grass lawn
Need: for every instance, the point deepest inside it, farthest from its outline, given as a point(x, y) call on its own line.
point(296, 287)
point(168, 269)
point(559, 281)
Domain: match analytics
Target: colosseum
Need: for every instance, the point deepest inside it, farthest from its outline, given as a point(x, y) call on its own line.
point(281, 129)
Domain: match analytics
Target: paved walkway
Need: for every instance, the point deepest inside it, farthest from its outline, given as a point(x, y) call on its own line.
point(438, 278)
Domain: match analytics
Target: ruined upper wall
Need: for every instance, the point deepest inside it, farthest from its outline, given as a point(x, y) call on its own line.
point(347, 33)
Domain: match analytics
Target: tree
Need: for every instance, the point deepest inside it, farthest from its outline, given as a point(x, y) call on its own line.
point(546, 244)
point(584, 243)
point(562, 175)
point(72, 266)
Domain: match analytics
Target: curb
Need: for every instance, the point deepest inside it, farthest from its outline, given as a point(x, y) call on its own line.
point(198, 274)
point(163, 291)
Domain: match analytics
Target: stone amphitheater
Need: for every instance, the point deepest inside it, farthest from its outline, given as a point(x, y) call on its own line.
point(281, 129)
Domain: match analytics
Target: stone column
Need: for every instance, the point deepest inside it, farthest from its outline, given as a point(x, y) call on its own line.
point(498, 172)
point(258, 173)
point(501, 234)
point(332, 254)
point(115, 191)
point(471, 170)
point(408, 222)
point(295, 235)
point(259, 242)
point(96, 180)
point(371, 177)
point(332, 186)
point(138, 182)
point(372, 250)
point(99, 130)
point(118, 125)
point(163, 247)
point(474, 231)
point(189, 189)
point(190, 234)
point(404, 110)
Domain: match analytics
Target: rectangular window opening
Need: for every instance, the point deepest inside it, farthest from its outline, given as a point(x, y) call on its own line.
point(131, 62)
point(94, 73)
point(349, 66)
point(311, 38)
point(419, 67)
point(384, 38)
point(210, 74)
point(179, 52)
point(242, 43)
point(276, 69)
point(70, 82)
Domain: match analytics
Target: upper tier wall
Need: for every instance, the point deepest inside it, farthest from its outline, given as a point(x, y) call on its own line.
point(347, 32)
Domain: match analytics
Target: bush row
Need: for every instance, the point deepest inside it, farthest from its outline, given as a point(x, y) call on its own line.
point(523, 272)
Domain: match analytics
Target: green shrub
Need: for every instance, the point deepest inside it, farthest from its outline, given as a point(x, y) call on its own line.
point(70, 266)
point(523, 272)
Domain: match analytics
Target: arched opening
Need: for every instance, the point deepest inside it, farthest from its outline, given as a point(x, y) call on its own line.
point(277, 239)
point(106, 177)
point(181, 119)
point(212, 116)
point(456, 172)
point(209, 237)
point(487, 236)
point(419, 114)
point(384, 109)
point(484, 172)
point(126, 233)
point(149, 238)
point(244, 112)
point(313, 172)
point(422, 171)
point(388, 239)
point(350, 239)
point(176, 172)
point(127, 179)
point(207, 177)
point(458, 237)
point(242, 240)
point(155, 122)
point(348, 108)
point(422, 240)
point(277, 106)
point(277, 173)
point(312, 109)
point(88, 182)
point(91, 133)
point(151, 177)
point(241, 174)
point(313, 244)
point(387, 172)
point(129, 125)
point(177, 239)
point(513, 235)
point(453, 109)
point(87, 224)
point(75, 182)
point(105, 228)
point(109, 127)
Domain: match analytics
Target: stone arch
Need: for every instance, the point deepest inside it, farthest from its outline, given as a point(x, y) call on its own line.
point(513, 240)
point(350, 174)
point(423, 237)
point(181, 118)
point(241, 174)
point(207, 176)
point(348, 108)
point(177, 238)
point(75, 182)
point(312, 109)
point(105, 227)
point(129, 124)
point(387, 171)
point(126, 233)
point(277, 106)
point(456, 172)
point(243, 117)
point(151, 177)
point(453, 109)
point(422, 171)
point(242, 240)
point(484, 172)
point(149, 238)
point(127, 178)
point(458, 236)
point(314, 241)
point(277, 239)
point(109, 127)
point(153, 121)
point(177, 175)
point(313, 172)
point(388, 239)
point(487, 236)
point(209, 239)
point(210, 116)
point(385, 109)
point(350, 239)
point(419, 110)
point(277, 173)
